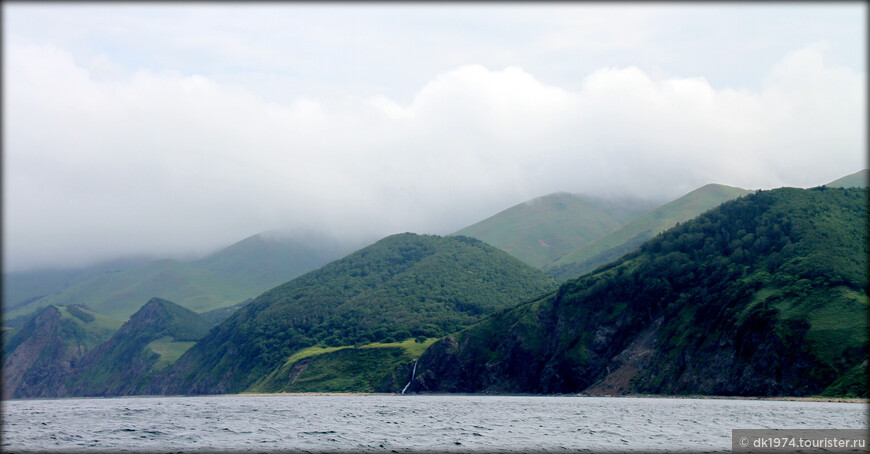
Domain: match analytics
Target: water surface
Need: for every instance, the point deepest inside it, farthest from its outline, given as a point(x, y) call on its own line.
point(417, 423)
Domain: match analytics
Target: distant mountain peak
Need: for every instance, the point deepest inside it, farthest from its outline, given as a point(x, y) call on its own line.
point(764, 295)
point(627, 237)
point(161, 317)
point(540, 230)
point(859, 179)
point(403, 286)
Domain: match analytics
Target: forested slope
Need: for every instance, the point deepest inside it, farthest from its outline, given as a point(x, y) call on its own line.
point(765, 295)
point(404, 286)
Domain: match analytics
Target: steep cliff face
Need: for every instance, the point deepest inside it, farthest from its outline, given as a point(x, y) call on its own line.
point(41, 356)
point(765, 295)
point(72, 351)
point(153, 338)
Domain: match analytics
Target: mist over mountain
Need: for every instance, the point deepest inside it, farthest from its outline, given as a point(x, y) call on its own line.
point(545, 228)
point(783, 271)
point(229, 276)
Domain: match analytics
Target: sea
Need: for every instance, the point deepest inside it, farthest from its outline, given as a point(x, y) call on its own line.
point(404, 423)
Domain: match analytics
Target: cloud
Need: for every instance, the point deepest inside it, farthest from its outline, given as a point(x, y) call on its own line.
point(161, 162)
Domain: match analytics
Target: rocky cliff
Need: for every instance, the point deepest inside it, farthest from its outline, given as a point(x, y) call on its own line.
point(42, 354)
point(765, 295)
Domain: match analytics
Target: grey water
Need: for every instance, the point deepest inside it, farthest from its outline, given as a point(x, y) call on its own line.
point(410, 423)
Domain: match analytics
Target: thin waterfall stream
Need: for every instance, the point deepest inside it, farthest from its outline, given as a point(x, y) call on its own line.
point(413, 373)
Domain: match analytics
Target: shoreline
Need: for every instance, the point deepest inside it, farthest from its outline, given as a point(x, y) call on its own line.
point(846, 400)
point(851, 400)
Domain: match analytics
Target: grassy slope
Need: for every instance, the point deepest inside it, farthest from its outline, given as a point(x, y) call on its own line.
point(628, 237)
point(97, 327)
point(81, 327)
point(153, 338)
point(543, 229)
point(19, 287)
point(168, 350)
point(858, 179)
point(402, 286)
point(223, 279)
point(367, 368)
point(765, 295)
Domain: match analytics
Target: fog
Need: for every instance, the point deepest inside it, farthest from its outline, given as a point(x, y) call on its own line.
point(118, 152)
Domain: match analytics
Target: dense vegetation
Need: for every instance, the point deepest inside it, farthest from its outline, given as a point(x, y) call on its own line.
point(404, 286)
point(765, 295)
point(630, 236)
point(377, 367)
point(543, 229)
point(125, 363)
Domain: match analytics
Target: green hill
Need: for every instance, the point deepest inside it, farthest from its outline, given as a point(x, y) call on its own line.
point(39, 356)
point(403, 286)
point(765, 295)
point(858, 179)
point(543, 229)
point(223, 279)
point(25, 287)
point(216, 316)
point(376, 367)
point(628, 237)
point(154, 337)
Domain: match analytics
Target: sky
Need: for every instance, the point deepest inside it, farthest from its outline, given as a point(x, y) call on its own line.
point(173, 130)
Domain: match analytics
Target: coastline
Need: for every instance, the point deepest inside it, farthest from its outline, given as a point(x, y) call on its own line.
point(845, 400)
point(851, 400)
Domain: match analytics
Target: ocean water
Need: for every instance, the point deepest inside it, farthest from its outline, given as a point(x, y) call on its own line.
point(415, 423)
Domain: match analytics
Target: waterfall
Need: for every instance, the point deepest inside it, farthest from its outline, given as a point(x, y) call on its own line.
point(413, 373)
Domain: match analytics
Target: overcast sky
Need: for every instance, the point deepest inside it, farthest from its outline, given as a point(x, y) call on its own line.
point(173, 129)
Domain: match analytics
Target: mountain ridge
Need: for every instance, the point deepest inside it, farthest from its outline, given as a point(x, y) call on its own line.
point(859, 179)
point(540, 230)
point(224, 278)
point(401, 287)
point(125, 363)
point(728, 303)
point(40, 355)
point(631, 235)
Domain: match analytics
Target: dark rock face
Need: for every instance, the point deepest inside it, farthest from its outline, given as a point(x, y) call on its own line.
point(621, 359)
point(753, 361)
point(41, 359)
point(123, 365)
point(53, 355)
point(764, 296)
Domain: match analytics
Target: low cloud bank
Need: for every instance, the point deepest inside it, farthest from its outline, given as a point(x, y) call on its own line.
point(166, 163)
